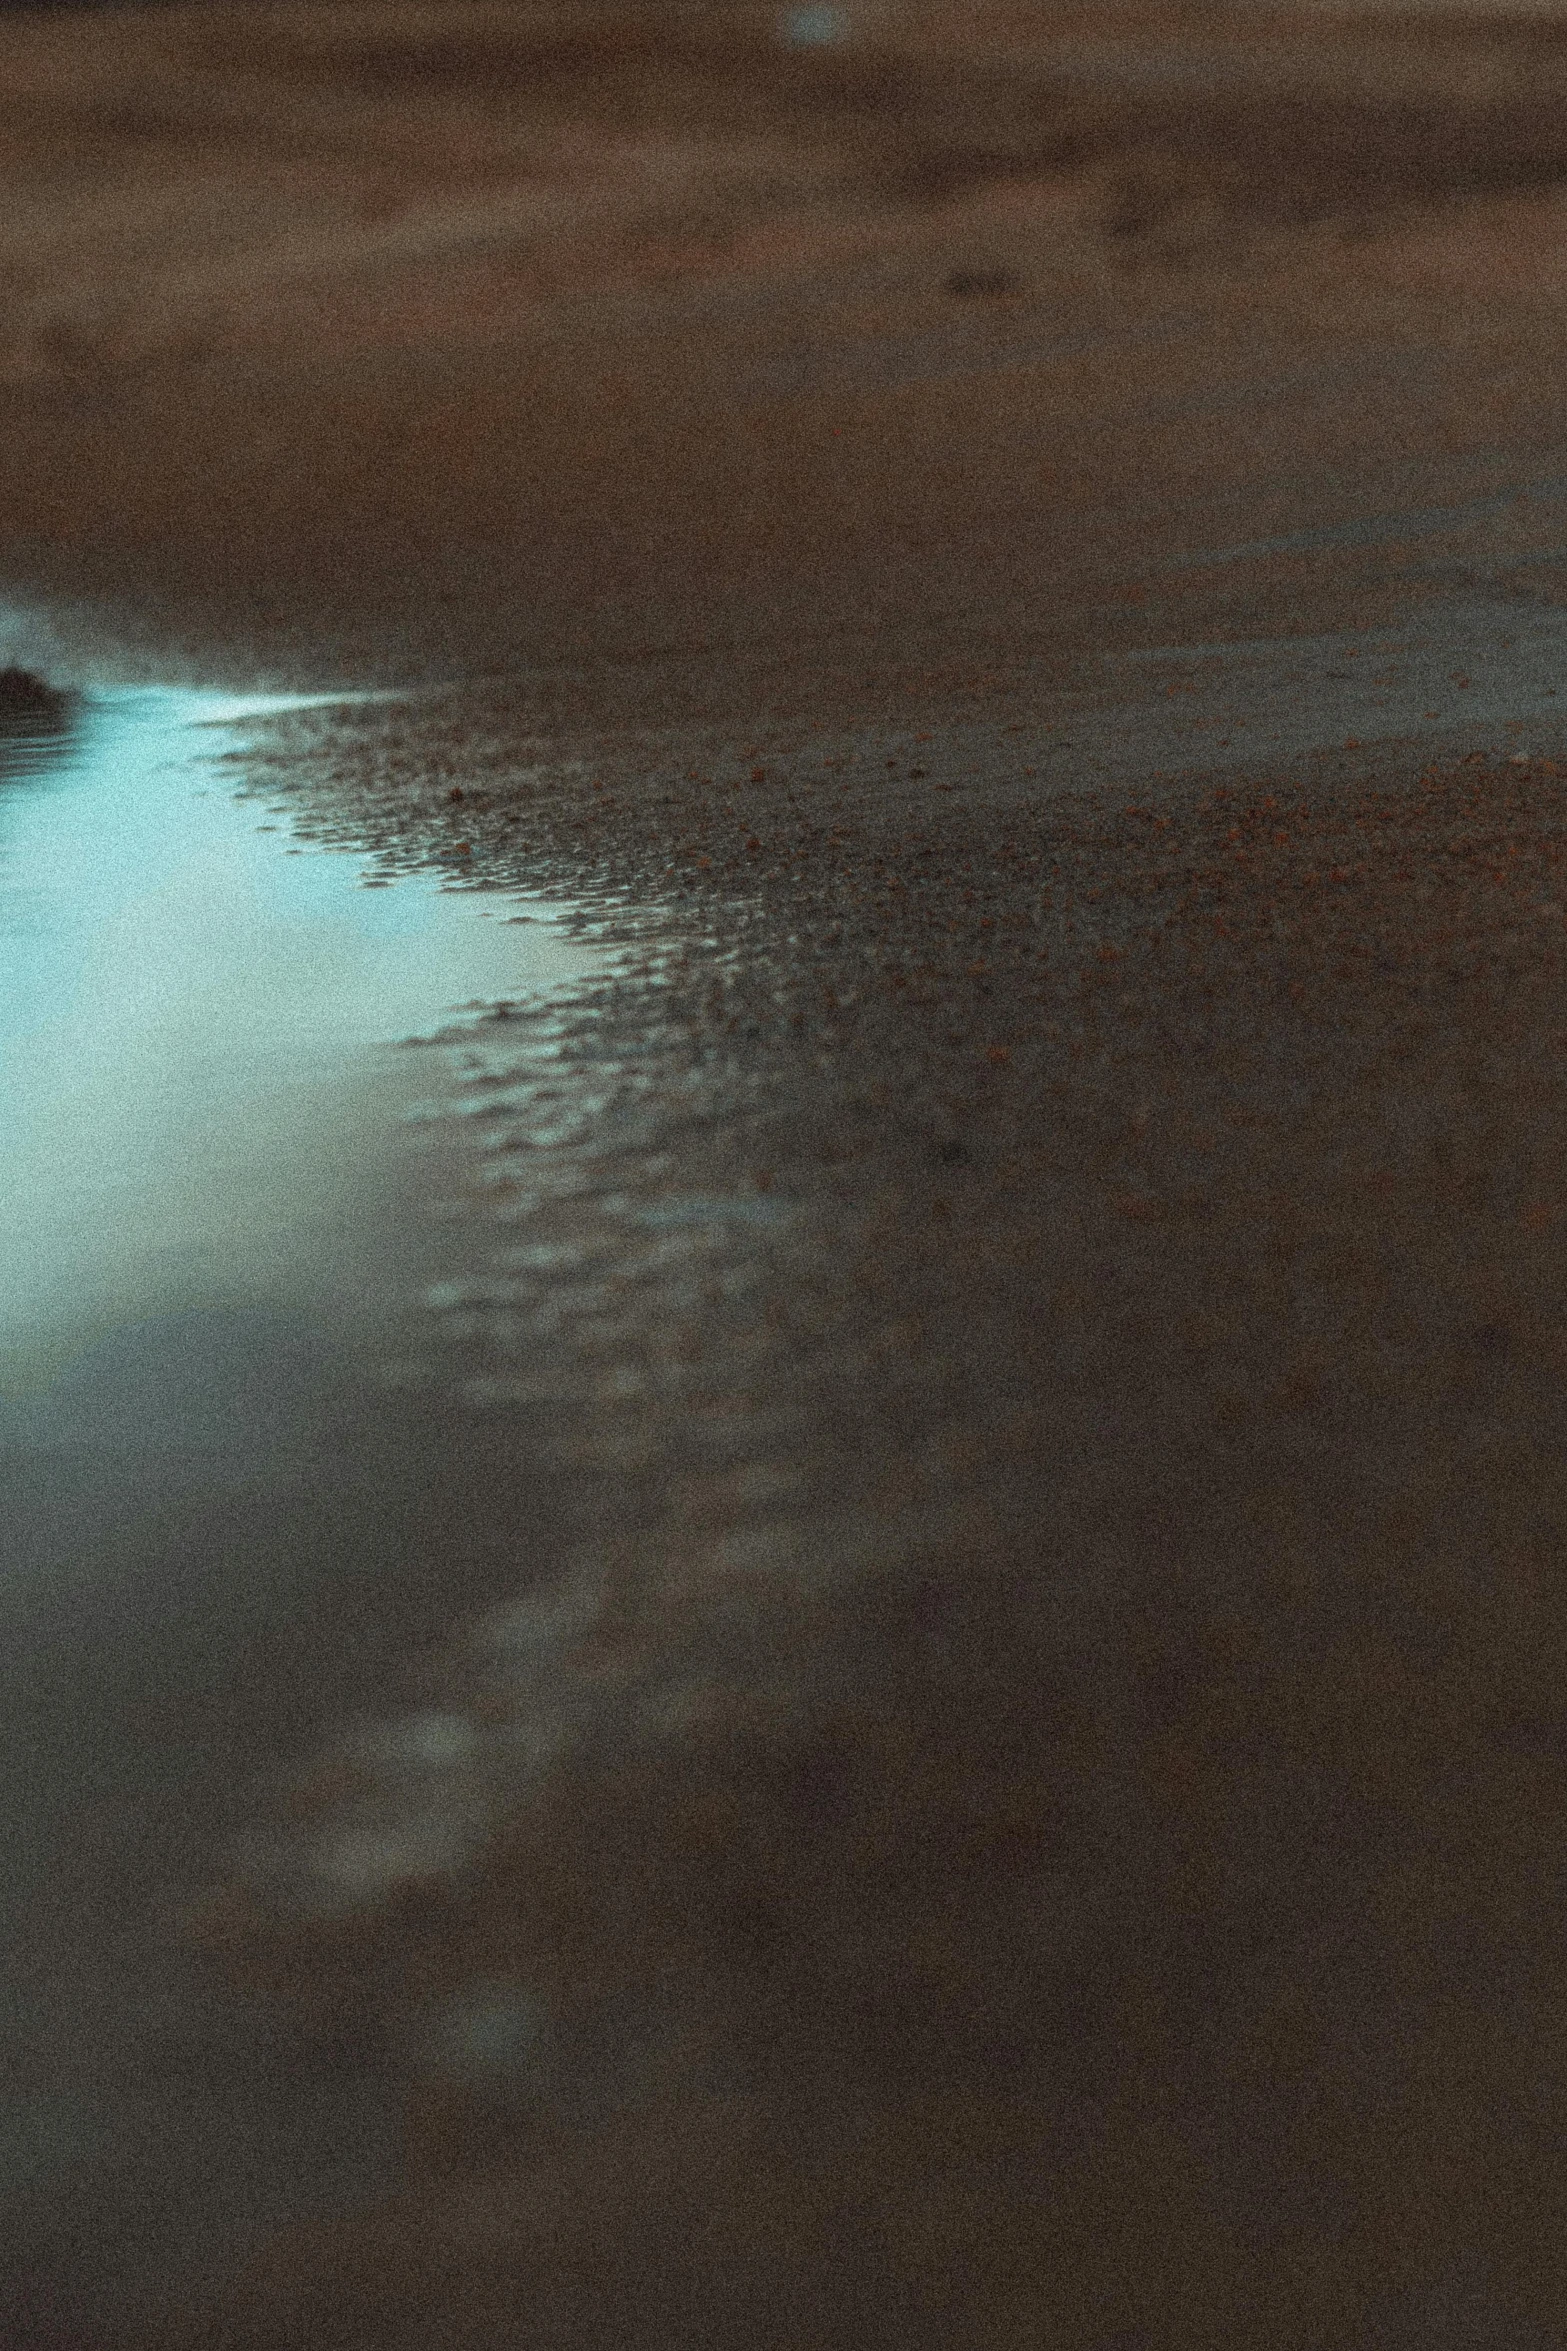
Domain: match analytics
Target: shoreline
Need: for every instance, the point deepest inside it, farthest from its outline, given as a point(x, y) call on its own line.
point(1021, 1357)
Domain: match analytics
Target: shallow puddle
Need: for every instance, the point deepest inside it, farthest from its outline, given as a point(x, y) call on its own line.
point(221, 1531)
point(194, 1016)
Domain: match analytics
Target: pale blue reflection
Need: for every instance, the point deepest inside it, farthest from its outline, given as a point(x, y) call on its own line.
point(193, 1090)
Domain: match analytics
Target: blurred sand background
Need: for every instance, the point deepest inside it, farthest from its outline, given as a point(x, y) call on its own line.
point(486, 336)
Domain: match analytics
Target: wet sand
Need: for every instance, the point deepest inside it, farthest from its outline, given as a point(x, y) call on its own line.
point(1005, 1786)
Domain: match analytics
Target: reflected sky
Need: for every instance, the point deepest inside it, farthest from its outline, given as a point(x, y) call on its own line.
point(195, 1016)
point(217, 1529)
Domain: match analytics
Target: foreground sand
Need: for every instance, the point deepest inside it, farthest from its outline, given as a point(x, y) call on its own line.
point(1020, 1792)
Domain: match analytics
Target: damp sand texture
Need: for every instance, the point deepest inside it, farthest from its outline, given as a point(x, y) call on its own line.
point(974, 1757)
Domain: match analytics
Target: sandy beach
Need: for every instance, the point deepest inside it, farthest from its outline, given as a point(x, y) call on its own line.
point(988, 1770)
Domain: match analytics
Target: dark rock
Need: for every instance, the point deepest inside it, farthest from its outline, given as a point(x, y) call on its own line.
point(26, 696)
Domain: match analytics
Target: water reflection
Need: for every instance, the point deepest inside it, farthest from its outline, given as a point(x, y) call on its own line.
point(217, 1531)
point(192, 1033)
